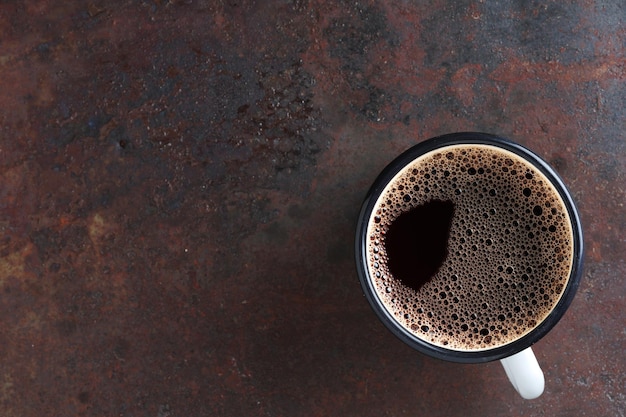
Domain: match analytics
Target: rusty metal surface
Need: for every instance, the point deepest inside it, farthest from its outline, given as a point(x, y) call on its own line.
point(180, 182)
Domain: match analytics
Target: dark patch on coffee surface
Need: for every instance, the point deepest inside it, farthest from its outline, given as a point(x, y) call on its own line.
point(417, 242)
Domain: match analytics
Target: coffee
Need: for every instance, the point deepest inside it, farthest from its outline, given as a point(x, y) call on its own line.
point(470, 247)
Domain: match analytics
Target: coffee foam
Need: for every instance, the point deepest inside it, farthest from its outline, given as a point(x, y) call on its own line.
point(510, 248)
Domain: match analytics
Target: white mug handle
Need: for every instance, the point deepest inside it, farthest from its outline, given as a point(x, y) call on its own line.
point(524, 373)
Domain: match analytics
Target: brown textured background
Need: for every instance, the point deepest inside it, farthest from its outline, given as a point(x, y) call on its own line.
point(180, 182)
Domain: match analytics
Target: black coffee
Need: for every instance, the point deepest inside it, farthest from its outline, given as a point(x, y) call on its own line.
point(416, 242)
point(470, 247)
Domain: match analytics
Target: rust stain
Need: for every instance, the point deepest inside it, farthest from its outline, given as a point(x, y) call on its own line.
point(13, 265)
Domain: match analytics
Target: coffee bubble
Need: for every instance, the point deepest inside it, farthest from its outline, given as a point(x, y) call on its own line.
point(470, 241)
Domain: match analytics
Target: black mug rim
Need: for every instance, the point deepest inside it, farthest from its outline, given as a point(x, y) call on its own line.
point(477, 356)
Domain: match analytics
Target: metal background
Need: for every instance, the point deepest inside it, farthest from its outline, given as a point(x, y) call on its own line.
point(180, 181)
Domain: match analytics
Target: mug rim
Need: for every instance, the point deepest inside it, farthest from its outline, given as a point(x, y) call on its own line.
point(470, 356)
